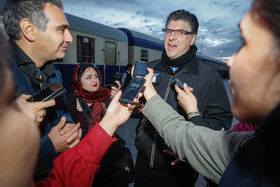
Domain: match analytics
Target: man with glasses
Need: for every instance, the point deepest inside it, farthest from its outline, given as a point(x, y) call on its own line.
point(154, 167)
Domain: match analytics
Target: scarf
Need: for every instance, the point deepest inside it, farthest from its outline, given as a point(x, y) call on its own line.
point(179, 62)
point(100, 95)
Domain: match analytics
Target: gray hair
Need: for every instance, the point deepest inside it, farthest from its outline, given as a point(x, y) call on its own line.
point(186, 16)
point(16, 10)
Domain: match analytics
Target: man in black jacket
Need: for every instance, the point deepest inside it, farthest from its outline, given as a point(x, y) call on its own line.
point(153, 166)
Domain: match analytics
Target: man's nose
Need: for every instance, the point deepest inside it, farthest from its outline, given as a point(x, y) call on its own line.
point(68, 36)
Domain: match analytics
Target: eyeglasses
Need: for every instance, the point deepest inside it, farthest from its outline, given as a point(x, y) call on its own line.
point(179, 33)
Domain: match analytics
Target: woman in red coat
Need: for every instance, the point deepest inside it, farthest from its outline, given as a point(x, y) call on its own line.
point(20, 141)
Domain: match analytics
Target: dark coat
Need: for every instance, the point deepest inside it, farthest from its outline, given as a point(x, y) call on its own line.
point(213, 103)
point(257, 163)
point(47, 152)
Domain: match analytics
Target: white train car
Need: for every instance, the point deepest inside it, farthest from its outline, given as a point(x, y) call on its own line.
point(97, 43)
point(111, 49)
point(142, 47)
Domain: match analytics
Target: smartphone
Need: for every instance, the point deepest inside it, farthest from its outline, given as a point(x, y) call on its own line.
point(179, 83)
point(48, 93)
point(140, 69)
point(118, 78)
point(132, 90)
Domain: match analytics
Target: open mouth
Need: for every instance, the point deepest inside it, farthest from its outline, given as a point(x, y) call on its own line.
point(172, 45)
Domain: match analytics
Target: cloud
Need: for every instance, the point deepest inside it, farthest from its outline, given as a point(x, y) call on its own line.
point(218, 19)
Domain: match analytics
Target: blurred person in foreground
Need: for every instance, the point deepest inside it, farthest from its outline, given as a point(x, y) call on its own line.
point(154, 167)
point(20, 138)
point(38, 35)
point(234, 158)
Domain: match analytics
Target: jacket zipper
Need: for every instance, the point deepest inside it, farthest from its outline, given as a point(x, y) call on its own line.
point(170, 82)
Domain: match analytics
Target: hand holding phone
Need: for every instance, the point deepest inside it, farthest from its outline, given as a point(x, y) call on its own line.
point(136, 84)
point(51, 92)
point(131, 91)
point(179, 83)
point(140, 69)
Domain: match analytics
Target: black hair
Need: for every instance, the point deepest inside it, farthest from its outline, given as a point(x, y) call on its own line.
point(128, 66)
point(186, 16)
point(15, 10)
point(267, 13)
point(7, 93)
point(83, 67)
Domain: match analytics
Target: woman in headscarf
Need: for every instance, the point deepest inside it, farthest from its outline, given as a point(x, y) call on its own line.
point(88, 106)
point(89, 102)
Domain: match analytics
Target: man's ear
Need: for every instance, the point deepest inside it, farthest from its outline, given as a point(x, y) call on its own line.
point(28, 29)
point(193, 39)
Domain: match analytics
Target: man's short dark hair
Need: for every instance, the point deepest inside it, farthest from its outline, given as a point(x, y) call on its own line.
point(128, 66)
point(186, 16)
point(15, 10)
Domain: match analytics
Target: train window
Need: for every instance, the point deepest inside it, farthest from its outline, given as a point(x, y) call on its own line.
point(110, 53)
point(85, 49)
point(144, 55)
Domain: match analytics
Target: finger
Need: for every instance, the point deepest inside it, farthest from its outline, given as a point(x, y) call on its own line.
point(61, 123)
point(178, 90)
point(136, 100)
point(73, 133)
point(25, 97)
point(73, 137)
point(74, 144)
point(129, 107)
point(170, 153)
point(150, 70)
point(38, 120)
point(132, 71)
point(119, 85)
point(114, 88)
point(150, 74)
point(117, 96)
point(80, 133)
point(186, 88)
point(47, 104)
point(41, 113)
point(176, 161)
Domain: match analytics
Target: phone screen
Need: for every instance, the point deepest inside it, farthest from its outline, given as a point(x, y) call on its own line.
point(48, 93)
point(140, 69)
point(131, 91)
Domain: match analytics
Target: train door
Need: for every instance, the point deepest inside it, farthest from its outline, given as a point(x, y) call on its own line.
point(111, 61)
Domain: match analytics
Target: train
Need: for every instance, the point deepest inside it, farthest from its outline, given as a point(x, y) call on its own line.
point(111, 49)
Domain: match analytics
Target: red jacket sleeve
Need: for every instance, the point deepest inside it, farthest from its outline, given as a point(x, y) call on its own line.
point(78, 166)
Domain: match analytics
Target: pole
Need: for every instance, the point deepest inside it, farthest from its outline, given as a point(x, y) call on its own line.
point(201, 38)
point(221, 55)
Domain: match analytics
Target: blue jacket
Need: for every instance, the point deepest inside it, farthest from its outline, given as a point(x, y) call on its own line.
point(47, 151)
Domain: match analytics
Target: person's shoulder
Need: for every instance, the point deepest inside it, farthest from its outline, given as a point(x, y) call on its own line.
point(71, 98)
point(153, 63)
point(206, 67)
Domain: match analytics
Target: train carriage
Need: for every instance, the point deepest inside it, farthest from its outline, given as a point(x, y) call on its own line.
point(111, 49)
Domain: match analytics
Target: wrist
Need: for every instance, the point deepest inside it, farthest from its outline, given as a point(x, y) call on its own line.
point(193, 113)
point(108, 125)
point(149, 92)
